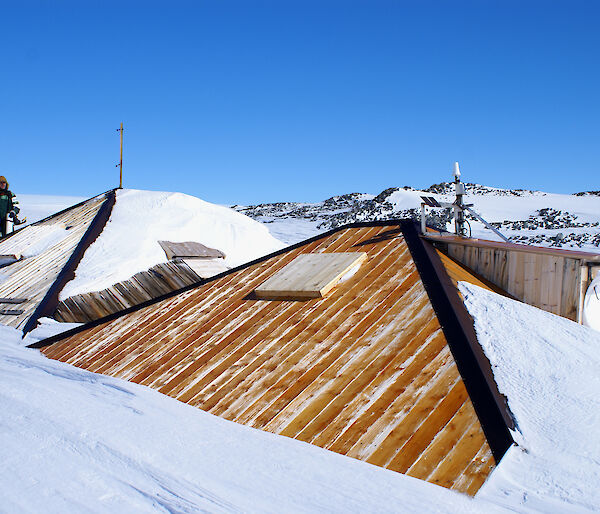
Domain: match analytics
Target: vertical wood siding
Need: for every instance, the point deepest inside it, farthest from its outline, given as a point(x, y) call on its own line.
point(141, 287)
point(549, 282)
point(365, 372)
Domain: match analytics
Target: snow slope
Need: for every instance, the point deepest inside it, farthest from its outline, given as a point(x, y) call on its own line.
point(547, 367)
point(139, 219)
point(74, 441)
point(71, 440)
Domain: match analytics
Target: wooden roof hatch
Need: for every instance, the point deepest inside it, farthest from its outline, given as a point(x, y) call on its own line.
point(310, 275)
point(384, 368)
point(190, 250)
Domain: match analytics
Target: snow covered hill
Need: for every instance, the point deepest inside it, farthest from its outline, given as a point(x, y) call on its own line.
point(71, 440)
point(529, 217)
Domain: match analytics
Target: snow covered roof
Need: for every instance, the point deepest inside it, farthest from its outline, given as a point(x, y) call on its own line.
point(385, 369)
point(50, 249)
point(109, 239)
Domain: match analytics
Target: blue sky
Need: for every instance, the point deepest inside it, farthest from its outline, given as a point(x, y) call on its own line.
point(259, 101)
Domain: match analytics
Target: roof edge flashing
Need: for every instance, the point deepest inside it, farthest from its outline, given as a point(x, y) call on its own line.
point(490, 405)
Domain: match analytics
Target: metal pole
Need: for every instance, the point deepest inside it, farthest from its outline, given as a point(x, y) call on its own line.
point(121, 160)
point(459, 215)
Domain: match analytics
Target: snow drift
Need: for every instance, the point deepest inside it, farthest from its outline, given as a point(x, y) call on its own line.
point(547, 367)
point(75, 441)
point(139, 219)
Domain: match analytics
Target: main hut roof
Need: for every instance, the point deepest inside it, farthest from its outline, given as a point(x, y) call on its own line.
point(384, 368)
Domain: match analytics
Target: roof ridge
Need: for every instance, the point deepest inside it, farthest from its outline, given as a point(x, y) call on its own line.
point(457, 324)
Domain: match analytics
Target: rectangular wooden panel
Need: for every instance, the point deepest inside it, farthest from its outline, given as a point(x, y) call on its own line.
point(310, 275)
point(189, 249)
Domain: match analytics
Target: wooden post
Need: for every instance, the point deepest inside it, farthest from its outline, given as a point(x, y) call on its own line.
point(121, 159)
point(581, 290)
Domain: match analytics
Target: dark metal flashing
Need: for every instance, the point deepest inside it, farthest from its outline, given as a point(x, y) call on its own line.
point(48, 304)
point(457, 324)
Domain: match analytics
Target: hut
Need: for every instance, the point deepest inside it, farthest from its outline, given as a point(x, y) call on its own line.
point(356, 341)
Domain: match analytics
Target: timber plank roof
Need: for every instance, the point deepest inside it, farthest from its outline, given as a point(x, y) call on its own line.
point(61, 238)
point(380, 370)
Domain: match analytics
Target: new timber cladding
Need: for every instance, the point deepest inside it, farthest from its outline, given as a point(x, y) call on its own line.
point(61, 240)
point(365, 371)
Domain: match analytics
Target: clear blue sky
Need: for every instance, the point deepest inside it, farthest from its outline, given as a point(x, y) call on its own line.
point(257, 101)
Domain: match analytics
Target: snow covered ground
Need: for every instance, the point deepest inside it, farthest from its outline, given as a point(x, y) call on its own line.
point(74, 441)
point(71, 440)
point(530, 217)
point(547, 367)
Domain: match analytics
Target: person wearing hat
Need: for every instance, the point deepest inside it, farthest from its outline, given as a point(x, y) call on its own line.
point(7, 205)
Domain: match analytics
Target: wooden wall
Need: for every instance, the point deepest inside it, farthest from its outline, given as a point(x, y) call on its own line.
point(552, 282)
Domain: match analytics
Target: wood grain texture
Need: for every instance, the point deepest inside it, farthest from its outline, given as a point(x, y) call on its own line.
point(56, 238)
point(188, 249)
point(365, 372)
point(141, 287)
point(543, 277)
point(310, 275)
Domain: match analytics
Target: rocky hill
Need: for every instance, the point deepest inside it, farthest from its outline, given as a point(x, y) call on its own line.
point(524, 216)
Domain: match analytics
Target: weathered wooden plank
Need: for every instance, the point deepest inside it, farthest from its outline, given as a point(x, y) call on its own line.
point(459, 458)
point(279, 358)
point(444, 380)
point(189, 249)
point(13, 300)
point(376, 363)
point(429, 459)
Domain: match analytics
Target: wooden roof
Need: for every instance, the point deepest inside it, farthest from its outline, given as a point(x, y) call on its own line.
point(39, 278)
point(366, 371)
point(141, 287)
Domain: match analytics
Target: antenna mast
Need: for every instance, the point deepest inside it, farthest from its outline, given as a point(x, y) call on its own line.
point(121, 158)
point(459, 207)
point(459, 213)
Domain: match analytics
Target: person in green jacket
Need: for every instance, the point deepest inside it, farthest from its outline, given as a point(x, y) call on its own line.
point(7, 205)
